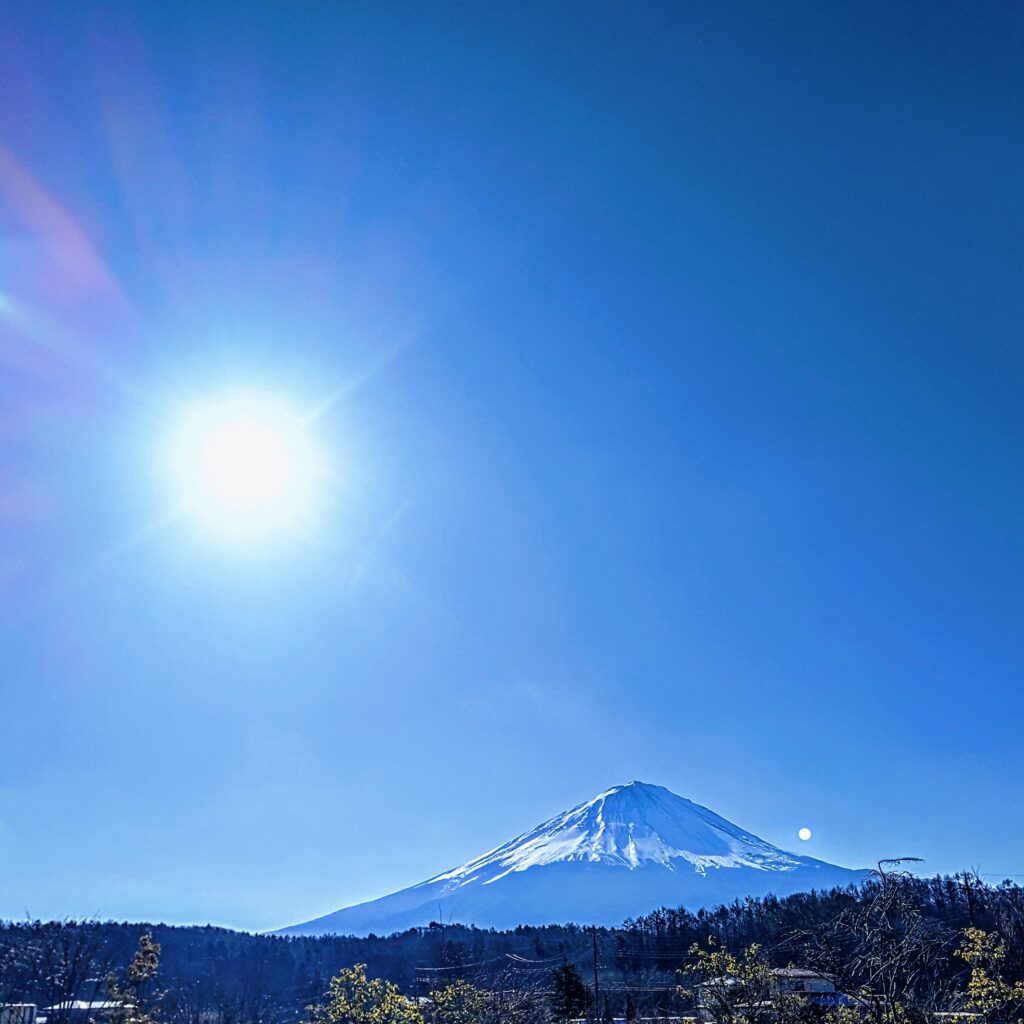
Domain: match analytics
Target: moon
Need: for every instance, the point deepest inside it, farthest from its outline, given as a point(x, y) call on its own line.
point(804, 833)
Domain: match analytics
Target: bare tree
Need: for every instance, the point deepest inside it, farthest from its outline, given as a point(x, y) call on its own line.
point(884, 953)
point(68, 962)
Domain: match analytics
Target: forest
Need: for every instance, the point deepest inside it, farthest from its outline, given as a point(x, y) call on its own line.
point(898, 949)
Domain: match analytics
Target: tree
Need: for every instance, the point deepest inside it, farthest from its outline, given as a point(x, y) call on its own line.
point(506, 1003)
point(17, 960)
point(355, 999)
point(460, 1003)
point(731, 989)
point(630, 1008)
point(883, 952)
point(133, 1001)
point(65, 960)
point(570, 997)
point(988, 991)
point(513, 998)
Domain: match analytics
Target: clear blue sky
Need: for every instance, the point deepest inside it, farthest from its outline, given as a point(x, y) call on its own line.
point(671, 379)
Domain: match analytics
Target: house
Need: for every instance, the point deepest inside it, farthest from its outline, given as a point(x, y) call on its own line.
point(809, 985)
point(79, 1011)
point(800, 981)
point(18, 1013)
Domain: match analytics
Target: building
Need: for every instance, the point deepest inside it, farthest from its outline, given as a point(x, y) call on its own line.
point(801, 981)
point(812, 986)
point(18, 1013)
point(78, 1011)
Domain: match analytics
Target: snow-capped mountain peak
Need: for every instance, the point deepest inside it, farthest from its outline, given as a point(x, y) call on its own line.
point(628, 826)
point(625, 852)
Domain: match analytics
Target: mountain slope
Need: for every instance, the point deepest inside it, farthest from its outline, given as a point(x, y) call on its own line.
point(627, 851)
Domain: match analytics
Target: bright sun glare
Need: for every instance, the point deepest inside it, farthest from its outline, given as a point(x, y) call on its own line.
point(245, 468)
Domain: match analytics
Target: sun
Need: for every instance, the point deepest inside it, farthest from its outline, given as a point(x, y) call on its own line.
point(245, 468)
point(804, 833)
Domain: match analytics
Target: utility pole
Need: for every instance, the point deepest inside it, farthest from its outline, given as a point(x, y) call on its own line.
point(970, 898)
point(597, 990)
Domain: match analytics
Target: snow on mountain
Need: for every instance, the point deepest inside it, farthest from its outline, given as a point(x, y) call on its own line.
point(627, 851)
point(629, 826)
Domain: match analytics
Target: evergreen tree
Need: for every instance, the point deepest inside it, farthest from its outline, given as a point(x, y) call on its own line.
point(132, 1002)
point(570, 998)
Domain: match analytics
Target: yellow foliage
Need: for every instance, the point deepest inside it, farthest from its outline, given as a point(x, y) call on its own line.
point(459, 1003)
point(988, 992)
point(355, 999)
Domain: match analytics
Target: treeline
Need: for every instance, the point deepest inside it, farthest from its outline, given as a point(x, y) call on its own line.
point(915, 928)
point(781, 926)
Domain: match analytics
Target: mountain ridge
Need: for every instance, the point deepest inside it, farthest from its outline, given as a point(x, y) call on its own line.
point(624, 852)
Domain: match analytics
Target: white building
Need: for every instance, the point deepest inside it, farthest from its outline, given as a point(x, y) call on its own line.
point(18, 1013)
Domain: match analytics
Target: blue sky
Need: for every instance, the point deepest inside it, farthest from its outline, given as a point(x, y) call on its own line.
point(668, 371)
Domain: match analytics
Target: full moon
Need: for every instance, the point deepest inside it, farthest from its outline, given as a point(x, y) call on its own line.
point(245, 468)
point(804, 833)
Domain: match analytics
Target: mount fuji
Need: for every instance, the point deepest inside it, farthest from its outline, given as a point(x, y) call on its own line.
point(627, 851)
